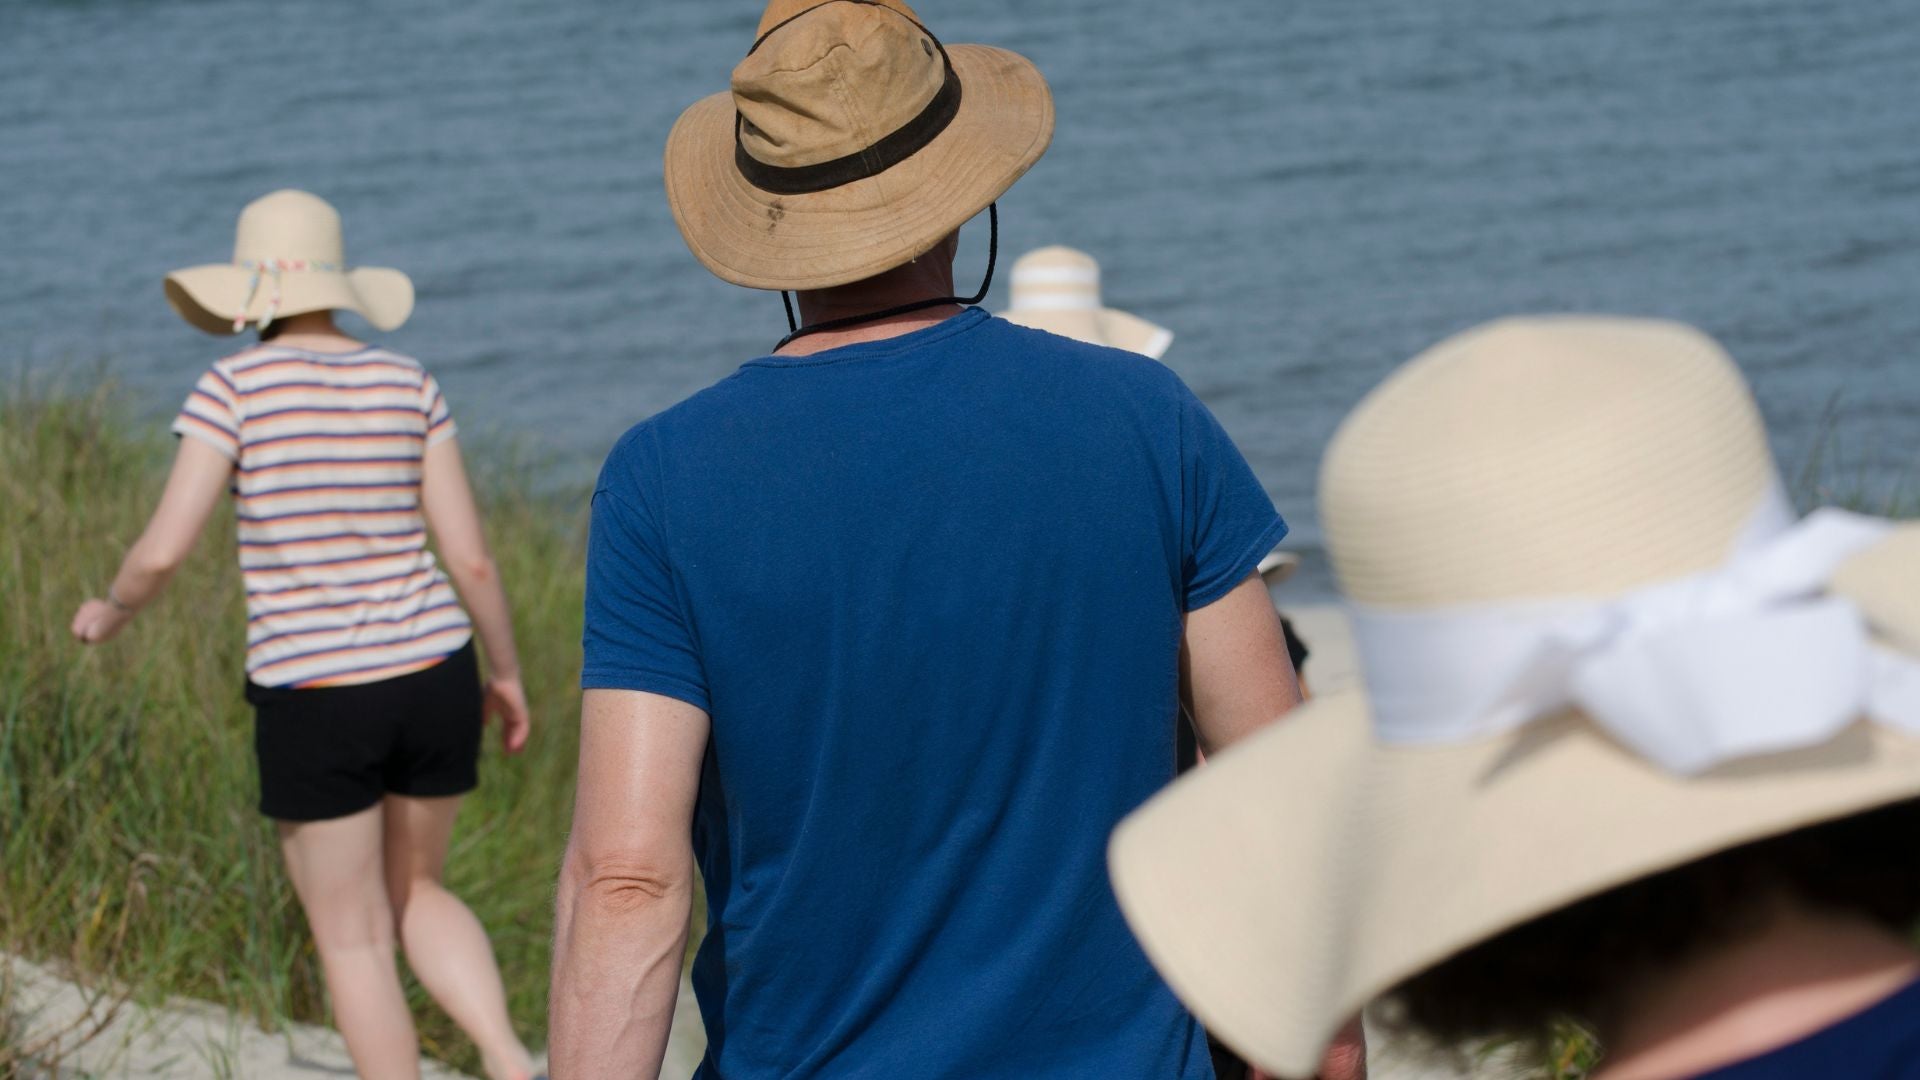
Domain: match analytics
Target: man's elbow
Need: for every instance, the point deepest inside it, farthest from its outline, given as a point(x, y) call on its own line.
point(623, 884)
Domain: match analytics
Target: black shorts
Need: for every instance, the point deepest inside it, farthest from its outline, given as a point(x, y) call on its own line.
point(331, 751)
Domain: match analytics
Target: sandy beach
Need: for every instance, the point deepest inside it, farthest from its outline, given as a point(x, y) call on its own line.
point(93, 1037)
point(190, 1040)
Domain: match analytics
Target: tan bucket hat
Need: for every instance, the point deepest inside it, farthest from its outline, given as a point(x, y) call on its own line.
point(851, 142)
point(1057, 289)
point(1596, 644)
point(288, 259)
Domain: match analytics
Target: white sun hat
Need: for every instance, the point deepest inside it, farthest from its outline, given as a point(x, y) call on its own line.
point(1057, 289)
point(288, 259)
point(1278, 566)
point(1597, 643)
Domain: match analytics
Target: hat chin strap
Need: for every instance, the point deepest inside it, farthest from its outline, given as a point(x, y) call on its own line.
point(1752, 657)
point(795, 330)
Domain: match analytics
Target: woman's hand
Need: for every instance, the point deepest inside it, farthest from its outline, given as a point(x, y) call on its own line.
point(97, 620)
point(199, 479)
point(507, 699)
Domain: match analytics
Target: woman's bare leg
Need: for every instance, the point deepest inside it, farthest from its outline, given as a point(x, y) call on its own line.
point(446, 945)
point(336, 867)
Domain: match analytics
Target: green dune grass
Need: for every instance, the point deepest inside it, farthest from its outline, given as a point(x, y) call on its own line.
point(129, 843)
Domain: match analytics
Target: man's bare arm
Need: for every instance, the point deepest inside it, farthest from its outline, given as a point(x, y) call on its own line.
point(1235, 676)
point(626, 886)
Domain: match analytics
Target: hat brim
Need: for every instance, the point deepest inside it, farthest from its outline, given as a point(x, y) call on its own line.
point(1278, 566)
point(1307, 871)
point(211, 297)
point(762, 240)
point(1102, 326)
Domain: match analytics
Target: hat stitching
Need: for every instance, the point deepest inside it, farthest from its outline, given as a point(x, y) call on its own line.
point(862, 124)
point(838, 46)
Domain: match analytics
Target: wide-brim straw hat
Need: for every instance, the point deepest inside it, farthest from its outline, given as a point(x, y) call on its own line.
point(1057, 289)
point(289, 258)
point(852, 141)
point(1596, 645)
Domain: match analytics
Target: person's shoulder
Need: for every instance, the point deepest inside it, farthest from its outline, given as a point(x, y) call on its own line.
point(1046, 345)
point(265, 354)
point(380, 354)
point(252, 355)
point(637, 453)
point(640, 455)
point(694, 416)
point(1101, 365)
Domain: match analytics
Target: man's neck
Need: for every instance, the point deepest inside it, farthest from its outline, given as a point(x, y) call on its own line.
point(1806, 972)
point(877, 330)
point(927, 278)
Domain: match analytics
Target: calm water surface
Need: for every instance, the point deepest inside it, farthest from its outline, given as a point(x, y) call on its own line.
point(1307, 194)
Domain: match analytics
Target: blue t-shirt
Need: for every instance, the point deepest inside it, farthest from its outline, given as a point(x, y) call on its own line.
point(1879, 1043)
point(929, 590)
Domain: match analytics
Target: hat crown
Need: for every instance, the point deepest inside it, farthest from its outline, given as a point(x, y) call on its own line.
point(292, 225)
point(833, 80)
point(1544, 458)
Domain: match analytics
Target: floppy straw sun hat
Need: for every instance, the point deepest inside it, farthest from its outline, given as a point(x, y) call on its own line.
point(851, 142)
point(1596, 645)
point(288, 259)
point(1057, 289)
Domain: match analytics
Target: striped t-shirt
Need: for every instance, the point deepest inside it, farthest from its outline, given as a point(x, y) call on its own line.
point(327, 451)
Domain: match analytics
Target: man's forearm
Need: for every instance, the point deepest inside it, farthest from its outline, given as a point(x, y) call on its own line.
point(618, 944)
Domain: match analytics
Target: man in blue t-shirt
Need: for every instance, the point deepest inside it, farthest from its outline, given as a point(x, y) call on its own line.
point(888, 629)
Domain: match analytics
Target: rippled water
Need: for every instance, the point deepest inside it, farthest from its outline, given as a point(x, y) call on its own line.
point(1306, 193)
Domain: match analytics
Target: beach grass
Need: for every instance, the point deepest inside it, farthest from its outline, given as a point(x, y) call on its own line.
point(130, 847)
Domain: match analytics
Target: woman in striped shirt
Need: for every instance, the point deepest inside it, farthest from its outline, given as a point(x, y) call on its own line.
point(360, 663)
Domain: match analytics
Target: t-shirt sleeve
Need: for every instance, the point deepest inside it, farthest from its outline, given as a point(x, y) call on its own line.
point(212, 414)
point(637, 636)
point(433, 402)
point(1229, 522)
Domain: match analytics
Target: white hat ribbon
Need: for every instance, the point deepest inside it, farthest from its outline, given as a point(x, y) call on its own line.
point(1752, 657)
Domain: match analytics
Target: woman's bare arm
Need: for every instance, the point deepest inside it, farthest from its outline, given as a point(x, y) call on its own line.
point(447, 499)
point(199, 478)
